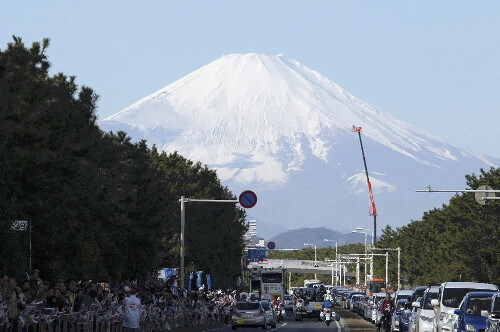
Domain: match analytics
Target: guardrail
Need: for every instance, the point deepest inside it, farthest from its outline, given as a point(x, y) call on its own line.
point(32, 319)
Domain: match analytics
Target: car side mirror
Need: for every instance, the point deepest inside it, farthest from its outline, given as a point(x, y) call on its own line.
point(416, 304)
point(485, 313)
point(434, 302)
point(457, 312)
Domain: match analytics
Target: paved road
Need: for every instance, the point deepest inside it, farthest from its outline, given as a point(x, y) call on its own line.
point(289, 324)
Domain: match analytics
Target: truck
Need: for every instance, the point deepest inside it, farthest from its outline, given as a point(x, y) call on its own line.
point(308, 302)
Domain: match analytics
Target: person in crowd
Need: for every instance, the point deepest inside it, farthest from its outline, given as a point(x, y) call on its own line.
point(12, 302)
point(387, 310)
point(131, 310)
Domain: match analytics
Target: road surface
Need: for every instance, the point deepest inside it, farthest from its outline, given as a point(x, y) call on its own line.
point(348, 323)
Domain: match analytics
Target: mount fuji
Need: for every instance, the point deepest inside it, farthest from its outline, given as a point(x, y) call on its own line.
point(271, 125)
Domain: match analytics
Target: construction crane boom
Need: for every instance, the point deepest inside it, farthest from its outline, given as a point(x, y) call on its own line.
point(373, 209)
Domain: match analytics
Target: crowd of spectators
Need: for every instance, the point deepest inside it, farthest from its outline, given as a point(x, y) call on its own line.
point(163, 307)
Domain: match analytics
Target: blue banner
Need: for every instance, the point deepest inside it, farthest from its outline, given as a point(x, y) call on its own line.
point(209, 282)
point(169, 273)
point(190, 280)
point(198, 280)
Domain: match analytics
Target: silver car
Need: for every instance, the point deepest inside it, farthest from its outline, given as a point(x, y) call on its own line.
point(270, 314)
point(288, 302)
point(248, 314)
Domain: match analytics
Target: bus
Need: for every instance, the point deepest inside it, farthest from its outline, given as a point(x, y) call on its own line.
point(273, 285)
point(375, 286)
point(268, 282)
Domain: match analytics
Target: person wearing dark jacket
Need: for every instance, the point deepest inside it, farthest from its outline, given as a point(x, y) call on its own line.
point(387, 310)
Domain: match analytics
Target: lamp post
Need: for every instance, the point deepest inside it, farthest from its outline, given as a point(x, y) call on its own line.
point(336, 263)
point(315, 257)
point(398, 249)
point(363, 231)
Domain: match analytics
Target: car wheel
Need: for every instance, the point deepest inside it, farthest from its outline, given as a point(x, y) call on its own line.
point(273, 326)
point(264, 327)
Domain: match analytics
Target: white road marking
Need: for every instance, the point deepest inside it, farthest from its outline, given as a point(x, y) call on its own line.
point(338, 325)
point(282, 325)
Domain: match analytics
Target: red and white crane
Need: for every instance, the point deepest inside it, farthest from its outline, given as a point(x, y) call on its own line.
point(372, 209)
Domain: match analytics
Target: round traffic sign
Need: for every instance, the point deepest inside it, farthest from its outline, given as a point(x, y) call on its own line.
point(248, 199)
point(271, 245)
point(480, 195)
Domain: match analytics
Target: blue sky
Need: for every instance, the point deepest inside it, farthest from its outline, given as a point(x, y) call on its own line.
point(434, 64)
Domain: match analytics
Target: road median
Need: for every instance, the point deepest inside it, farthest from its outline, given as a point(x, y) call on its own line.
point(354, 323)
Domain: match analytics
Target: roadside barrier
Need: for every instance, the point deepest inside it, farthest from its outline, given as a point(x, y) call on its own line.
point(109, 318)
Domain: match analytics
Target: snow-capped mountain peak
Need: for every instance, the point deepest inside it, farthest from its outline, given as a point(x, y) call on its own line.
point(263, 120)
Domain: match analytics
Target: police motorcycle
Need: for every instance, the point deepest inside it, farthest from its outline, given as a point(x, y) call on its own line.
point(327, 314)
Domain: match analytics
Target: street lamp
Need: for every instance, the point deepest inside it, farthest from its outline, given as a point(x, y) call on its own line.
point(315, 257)
point(336, 265)
point(364, 231)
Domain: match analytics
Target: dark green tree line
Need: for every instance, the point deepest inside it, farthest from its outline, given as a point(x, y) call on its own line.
point(460, 241)
point(101, 207)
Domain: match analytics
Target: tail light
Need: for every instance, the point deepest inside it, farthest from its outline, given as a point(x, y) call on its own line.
point(327, 311)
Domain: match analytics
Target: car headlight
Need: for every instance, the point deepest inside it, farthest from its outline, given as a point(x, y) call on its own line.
point(470, 328)
point(446, 318)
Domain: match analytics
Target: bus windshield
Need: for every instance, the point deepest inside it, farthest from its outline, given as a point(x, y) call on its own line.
point(272, 277)
point(376, 286)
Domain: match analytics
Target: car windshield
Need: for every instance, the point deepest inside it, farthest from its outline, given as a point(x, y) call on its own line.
point(496, 305)
point(418, 293)
point(404, 297)
point(248, 306)
point(401, 304)
point(266, 305)
point(476, 304)
point(427, 301)
point(453, 296)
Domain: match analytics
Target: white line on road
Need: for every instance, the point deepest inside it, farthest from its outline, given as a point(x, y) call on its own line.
point(282, 325)
point(338, 325)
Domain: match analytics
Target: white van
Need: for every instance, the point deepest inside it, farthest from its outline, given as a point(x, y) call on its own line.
point(449, 297)
point(425, 313)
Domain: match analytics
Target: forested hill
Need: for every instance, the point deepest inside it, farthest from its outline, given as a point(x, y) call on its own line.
point(100, 206)
point(297, 237)
point(460, 241)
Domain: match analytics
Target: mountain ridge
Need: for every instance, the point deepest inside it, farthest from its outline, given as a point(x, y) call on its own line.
point(270, 124)
point(295, 239)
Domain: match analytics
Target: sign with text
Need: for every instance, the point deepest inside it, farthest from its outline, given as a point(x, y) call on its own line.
point(256, 255)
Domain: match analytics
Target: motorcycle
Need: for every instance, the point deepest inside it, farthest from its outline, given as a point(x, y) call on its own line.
point(328, 316)
point(279, 312)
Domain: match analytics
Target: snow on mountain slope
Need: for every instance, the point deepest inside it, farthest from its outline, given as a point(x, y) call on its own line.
point(262, 121)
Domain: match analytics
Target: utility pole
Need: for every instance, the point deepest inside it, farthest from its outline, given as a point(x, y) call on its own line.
point(386, 269)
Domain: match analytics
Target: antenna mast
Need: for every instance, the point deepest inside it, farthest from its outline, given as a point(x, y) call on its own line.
point(373, 209)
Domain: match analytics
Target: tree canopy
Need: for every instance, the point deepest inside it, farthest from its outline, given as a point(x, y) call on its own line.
point(459, 241)
point(101, 207)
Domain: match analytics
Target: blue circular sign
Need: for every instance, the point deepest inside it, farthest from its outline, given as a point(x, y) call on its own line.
point(271, 245)
point(248, 199)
